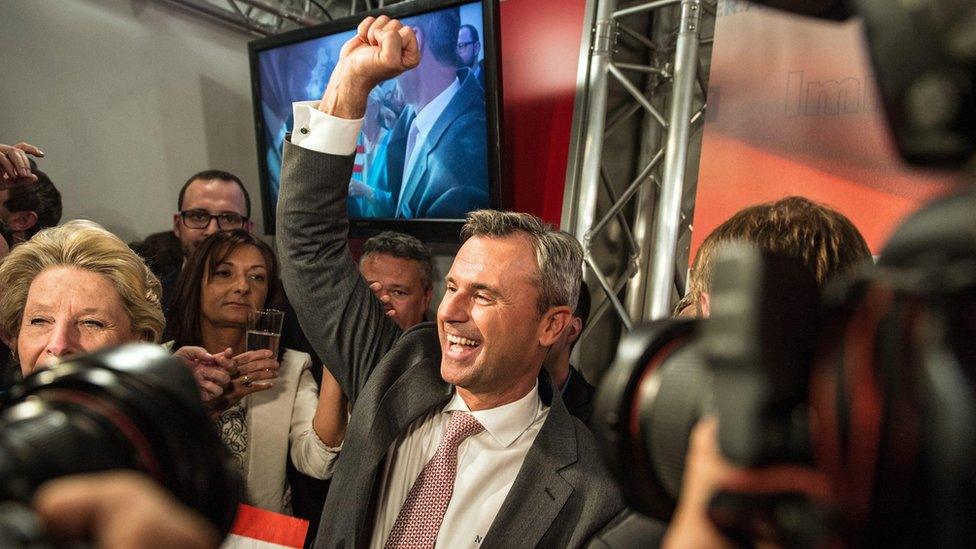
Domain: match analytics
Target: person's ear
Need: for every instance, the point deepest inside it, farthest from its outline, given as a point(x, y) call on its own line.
point(176, 224)
point(573, 330)
point(249, 225)
point(706, 305)
point(21, 221)
point(9, 341)
point(554, 321)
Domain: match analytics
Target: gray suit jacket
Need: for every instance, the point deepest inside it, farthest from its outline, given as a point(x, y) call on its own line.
point(562, 494)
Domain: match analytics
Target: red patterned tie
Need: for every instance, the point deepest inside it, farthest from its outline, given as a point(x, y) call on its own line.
point(420, 517)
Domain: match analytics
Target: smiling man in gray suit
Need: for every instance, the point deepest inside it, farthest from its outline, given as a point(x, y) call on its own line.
point(449, 442)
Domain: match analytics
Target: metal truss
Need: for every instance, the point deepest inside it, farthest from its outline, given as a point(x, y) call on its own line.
point(640, 105)
point(267, 17)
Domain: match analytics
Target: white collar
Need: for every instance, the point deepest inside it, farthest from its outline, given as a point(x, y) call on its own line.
point(507, 422)
point(432, 111)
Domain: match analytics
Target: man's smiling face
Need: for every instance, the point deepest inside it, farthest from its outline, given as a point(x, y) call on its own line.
point(488, 321)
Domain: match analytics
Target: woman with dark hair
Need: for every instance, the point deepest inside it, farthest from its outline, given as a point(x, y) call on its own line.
point(273, 403)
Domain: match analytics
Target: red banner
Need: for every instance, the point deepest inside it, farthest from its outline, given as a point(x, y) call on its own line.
point(256, 528)
point(793, 110)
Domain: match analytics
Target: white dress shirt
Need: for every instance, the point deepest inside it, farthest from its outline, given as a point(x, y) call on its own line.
point(487, 466)
point(487, 462)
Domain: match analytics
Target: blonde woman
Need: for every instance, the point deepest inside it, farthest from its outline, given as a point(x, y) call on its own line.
point(78, 288)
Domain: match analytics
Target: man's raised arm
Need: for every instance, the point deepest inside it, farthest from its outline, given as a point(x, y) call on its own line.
point(342, 319)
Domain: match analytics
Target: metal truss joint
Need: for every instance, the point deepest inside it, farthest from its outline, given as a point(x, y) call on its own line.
point(604, 37)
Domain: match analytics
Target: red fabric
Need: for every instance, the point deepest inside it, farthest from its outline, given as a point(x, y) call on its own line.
point(540, 55)
point(268, 526)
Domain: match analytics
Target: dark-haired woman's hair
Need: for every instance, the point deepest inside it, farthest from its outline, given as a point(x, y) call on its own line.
point(184, 327)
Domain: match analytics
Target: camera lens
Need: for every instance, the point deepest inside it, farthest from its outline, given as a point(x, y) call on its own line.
point(132, 407)
point(648, 403)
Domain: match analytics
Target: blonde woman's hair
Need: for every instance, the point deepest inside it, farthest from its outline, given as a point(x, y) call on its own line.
point(84, 245)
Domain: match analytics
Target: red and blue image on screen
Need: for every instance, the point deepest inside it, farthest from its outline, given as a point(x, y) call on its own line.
point(422, 152)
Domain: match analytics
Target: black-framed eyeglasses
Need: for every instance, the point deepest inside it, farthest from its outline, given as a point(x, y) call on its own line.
point(200, 219)
point(463, 45)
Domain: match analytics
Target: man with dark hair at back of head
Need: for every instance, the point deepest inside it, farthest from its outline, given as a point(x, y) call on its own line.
point(399, 271)
point(576, 391)
point(468, 49)
point(822, 238)
point(30, 208)
point(435, 166)
point(9, 372)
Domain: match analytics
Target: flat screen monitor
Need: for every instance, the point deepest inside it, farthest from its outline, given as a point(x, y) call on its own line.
point(429, 150)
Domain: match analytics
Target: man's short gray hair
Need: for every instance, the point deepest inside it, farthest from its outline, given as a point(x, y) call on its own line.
point(558, 255)
point(403, 246)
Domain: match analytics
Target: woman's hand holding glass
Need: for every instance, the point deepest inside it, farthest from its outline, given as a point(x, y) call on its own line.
point(256, 371)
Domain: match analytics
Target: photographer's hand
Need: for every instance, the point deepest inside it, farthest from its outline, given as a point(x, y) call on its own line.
point(708, 472)
point(120, 509)
point(382, 49)
point(15, 166)
point(704, 470)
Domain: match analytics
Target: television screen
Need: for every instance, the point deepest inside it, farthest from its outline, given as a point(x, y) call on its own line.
point(428, 150)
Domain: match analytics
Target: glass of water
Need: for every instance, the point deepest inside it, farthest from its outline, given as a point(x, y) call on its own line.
point(264, 330)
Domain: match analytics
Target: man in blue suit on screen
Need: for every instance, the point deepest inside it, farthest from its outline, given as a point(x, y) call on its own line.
point(435, 154)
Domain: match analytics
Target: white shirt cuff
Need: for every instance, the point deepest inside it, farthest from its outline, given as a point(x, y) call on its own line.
point(322, 447)
point(324, 133)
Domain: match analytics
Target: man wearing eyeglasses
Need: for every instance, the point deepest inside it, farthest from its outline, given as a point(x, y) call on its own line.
point(211, 201)
point(468, 49)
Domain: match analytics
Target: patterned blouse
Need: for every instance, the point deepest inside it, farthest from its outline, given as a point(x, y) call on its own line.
point(232, 426)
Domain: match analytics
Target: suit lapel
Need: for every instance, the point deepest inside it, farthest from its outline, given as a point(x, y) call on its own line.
point(415, 392)
point(539, 487)
point(267, 442)
point(459, 104)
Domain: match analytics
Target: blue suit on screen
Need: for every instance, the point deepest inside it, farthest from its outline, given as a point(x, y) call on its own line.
point(450, 175)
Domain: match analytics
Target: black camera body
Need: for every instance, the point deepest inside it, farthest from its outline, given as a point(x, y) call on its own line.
point(871, 384)
point(133, 407)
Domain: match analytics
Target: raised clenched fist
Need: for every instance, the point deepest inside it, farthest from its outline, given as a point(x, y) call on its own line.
point(382, 49)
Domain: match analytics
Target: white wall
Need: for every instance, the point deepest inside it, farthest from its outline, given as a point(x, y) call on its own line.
point(128, 98)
